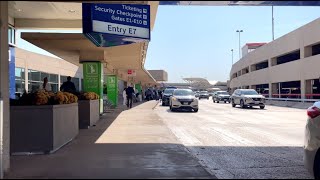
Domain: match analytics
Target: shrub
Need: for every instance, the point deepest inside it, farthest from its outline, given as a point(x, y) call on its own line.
point(88, 96)
point(42, 97)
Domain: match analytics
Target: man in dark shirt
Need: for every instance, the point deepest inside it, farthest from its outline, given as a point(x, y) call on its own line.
point(68, 86)
point(129, 92)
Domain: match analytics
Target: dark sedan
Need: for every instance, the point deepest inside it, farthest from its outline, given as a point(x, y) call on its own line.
point(166, 96)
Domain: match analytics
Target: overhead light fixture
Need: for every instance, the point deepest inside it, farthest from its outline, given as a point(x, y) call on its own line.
point(72, 11)
point(19, 10)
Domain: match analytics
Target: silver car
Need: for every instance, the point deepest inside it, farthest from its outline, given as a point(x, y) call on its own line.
point(221, 96)
point(184, 99)
point(247, 98)
point(311, 156)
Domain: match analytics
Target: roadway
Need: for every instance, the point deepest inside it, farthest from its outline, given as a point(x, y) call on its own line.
point(242, 143)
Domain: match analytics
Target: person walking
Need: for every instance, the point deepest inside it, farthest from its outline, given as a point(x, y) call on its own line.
point(129, 92)
point(68, 86)
point(46, 86)
point(124, 95)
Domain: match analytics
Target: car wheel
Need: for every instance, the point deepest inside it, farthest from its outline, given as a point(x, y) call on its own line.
point(196, 110)
point(170, 107)
point(262, 107)
point(214, 101)
point(233, 104)
point(316, 166)
point(241, 103)
point(163, 104)
point(225, 102)
point(218, 101)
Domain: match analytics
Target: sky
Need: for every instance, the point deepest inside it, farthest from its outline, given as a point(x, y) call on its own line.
point(196, 41)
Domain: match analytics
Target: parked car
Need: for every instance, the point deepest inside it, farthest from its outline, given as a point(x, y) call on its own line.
point(247, 97)
point(311, 157)
point(184, 99)
point(197, 94)
point(221, 96)
point(166, 95)
point(204, 95)
point(211, 93)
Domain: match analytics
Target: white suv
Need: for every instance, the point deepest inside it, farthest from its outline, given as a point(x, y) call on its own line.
point(247, 97)
point(184, 99)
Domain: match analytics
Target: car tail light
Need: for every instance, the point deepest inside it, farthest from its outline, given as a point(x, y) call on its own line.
point(313, 112)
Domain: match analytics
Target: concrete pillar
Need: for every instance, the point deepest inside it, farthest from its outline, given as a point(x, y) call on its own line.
point(307, 52)
point(275, 89)
point(93, 79)
point(270, 90)
point(253, 87)
point(303, 88)
point(4, 89)
point(26, 79)
point(59, 81)
point(308, 86)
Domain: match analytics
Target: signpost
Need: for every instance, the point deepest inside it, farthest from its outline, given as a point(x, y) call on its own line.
point(108, 25)
point(93, 79)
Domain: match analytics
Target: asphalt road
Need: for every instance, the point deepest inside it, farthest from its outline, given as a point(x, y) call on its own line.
point(242, 143)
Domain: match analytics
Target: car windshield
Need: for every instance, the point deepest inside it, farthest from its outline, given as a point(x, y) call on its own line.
point(249, 93)
point(204, 92)
point(222, 93)
point(168, 91)
point(183, 93)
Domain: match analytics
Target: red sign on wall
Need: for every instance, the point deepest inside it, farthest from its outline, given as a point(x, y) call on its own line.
point(131, 72)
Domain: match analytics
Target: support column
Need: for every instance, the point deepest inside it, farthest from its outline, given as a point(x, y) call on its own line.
point(26, 79)
point(303, 88)
point(112, 89)
point(4, 90)
point(274, 90)
point(309, 88)
point(270, 90)
point(93, 79)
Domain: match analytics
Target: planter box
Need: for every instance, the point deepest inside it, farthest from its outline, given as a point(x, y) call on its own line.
point(42, 129)
point(89, 113)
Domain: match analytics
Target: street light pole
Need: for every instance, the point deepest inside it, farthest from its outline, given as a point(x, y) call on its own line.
point(272, 25)
point(239, 31)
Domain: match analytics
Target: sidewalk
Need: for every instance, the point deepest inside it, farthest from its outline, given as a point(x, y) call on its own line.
point(129, 144)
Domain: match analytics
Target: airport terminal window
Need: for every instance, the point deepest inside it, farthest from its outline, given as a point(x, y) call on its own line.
point(315, 49)
point(288, 57)
point(19, 80)
point(36, 80)
point(81, 84)
point(75, 80)
point(53, 81)
point(11, 35)
point(33, 80)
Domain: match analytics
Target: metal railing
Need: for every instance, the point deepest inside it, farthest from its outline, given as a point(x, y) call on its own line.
point(286, 97)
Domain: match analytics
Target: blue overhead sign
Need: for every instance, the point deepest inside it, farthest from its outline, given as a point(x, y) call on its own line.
point(243, 3)
point(116, 24)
